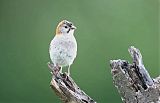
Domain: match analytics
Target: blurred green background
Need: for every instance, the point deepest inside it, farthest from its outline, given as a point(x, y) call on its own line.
point(105, 30)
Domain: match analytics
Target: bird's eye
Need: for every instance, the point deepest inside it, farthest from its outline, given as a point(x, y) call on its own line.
point(65, 26)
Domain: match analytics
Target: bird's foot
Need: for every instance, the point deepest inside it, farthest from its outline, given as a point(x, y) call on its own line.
point(56, 70)
point(65, 76)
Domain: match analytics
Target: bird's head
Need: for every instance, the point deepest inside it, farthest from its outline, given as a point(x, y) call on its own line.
point(65, 27)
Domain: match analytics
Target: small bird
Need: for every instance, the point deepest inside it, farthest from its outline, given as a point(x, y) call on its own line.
point(63, 47)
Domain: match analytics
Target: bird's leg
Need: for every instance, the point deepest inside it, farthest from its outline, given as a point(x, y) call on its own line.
point(68, 71)
point(60, 69)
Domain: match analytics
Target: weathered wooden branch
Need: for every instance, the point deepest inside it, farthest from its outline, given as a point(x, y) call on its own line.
point(133, 81)
point(65, 87)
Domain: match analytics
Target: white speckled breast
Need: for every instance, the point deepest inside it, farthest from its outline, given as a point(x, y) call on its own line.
point(63, 50)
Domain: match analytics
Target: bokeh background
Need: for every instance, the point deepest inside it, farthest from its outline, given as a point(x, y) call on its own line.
point(105, 30)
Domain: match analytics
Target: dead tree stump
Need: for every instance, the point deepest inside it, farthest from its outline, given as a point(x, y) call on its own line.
point(133, 81)
point(67, 90)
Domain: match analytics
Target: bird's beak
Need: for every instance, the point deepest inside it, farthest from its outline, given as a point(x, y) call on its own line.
point(73, 27)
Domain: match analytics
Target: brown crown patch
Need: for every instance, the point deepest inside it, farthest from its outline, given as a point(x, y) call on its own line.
point(58, 31)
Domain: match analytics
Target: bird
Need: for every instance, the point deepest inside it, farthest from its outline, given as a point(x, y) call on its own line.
point(63, 46)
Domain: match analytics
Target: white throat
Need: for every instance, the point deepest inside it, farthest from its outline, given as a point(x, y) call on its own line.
point(70, 34)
